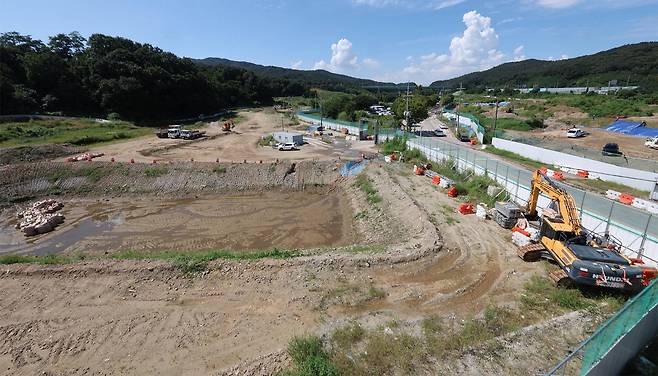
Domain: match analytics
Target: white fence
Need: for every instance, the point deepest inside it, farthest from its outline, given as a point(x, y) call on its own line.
point(643, 180)
point(637, 230)
point(334, 125)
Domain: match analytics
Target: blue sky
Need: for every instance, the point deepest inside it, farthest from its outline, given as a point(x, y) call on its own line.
point(389, 40)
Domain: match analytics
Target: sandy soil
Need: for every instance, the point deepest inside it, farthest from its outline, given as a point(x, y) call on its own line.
point(264, 220)
point(147, 318)
point(236, 146)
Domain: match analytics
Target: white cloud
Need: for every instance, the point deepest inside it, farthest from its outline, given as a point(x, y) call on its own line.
point(342, 58)
point(519, 53)
point(371, 63)
point(558, 4)
point(414, 4)
point(562, 57)
point(476, 49)
point(296, 64)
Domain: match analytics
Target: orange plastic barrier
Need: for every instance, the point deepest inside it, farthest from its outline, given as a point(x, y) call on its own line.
point(626, 199)
point(474, 142)
point(543, 170)
point(452, 192)
point(394, 157)
point(436, 179)
point(583, 173)
point(420, 171)
point(558, 175)
point(465, 209)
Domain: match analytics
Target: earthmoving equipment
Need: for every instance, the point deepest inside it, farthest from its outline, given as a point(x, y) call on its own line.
point(585, 258)
point(506, 214)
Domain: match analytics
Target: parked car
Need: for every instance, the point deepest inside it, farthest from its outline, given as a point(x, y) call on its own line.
point(575, 133)
point(443, 126)
point(611, 150)
point(287, 146)
point(652, 142)
point(439, 133)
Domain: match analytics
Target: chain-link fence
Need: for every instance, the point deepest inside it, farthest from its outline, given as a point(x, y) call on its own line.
point(636, 229)
point(588, 354)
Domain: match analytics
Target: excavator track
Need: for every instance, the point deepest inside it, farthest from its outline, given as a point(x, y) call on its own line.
point(531, 252)
point(560, 278)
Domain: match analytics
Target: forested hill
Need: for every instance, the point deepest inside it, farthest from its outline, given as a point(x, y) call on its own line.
point(316, 78)
point(106, 75)
point(637, 62)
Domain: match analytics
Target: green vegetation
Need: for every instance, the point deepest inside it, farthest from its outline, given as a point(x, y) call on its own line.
point(533, 164)
point(113, 76)
point(634, 61)
point(363, 183)
point(512, 124)
point(266, 141)
point(390, 349)
point(219, 170)
point(309, 358)
point(154, 172)
point(620, 104)
point(186, 261)
point(419, 104)
point(81, 132)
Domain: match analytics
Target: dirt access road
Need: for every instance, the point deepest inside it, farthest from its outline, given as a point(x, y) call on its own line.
point(236, 146)
point(127, 317)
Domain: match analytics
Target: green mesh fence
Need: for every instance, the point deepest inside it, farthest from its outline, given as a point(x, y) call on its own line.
point(316, 117)
point(617, 326)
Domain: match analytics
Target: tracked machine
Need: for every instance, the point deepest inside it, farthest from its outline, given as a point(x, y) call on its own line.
point(584, 258)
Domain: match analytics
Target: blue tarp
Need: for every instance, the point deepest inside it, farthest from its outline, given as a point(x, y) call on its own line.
point(632, 129)
point(353, 168)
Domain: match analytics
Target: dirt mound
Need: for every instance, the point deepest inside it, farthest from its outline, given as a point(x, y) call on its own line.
point(38, 153)
point(172, 179)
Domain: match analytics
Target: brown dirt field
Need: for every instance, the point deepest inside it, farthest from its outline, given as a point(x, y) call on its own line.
point(240, 144)
point(130, 317)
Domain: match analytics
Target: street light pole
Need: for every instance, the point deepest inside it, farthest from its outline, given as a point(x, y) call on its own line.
point(495, 121)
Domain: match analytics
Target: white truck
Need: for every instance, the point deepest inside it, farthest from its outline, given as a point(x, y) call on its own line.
point(652, 142)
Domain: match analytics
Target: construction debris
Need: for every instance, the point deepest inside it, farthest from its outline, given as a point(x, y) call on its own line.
point(84, 157)
point(40, 217)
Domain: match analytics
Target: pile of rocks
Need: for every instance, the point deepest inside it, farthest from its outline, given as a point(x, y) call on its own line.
point(40, 217)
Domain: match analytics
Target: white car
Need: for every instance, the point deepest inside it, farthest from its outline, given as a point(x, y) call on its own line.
point(287, 146)
point(652, 143)
point(443, 126)
point(575, 133)
point(439, 133)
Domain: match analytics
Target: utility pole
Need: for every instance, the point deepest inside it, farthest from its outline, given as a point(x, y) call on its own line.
point(406, 112)
point(495, 121)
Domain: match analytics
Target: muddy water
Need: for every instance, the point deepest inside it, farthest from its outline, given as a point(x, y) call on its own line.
point(283, 220)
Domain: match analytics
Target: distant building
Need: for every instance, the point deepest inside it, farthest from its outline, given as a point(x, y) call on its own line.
point(286, 137)
point(578, 90)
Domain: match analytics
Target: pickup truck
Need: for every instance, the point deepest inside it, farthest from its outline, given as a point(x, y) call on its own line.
point(652, 142)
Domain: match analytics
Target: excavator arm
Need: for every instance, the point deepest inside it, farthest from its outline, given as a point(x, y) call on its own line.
point(570, 222)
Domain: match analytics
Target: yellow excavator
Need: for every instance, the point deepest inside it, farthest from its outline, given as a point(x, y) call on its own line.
point(584, 258)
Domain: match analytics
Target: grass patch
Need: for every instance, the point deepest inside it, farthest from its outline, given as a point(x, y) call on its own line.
point(309, 358)
point(347, 336)
point(81, 132)
point(219, 170)
point(266, 141)
point(45, 260)
point(191, 262)
point(363, 183)
point(375, 293)
point(515, 157)
point(154, 172)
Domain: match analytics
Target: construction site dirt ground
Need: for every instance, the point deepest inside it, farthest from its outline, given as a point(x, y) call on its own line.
point(148, 317)
point(235, 146)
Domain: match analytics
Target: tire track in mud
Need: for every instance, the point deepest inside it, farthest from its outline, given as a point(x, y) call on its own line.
point(463, 277)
